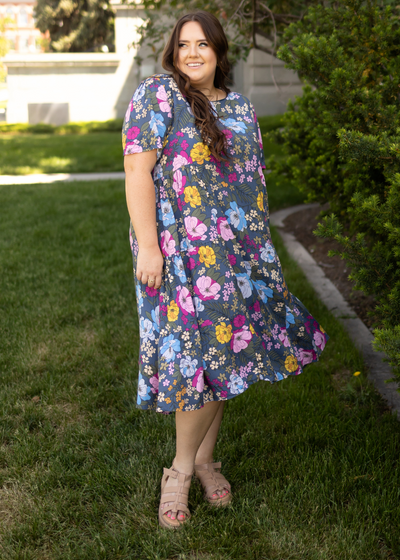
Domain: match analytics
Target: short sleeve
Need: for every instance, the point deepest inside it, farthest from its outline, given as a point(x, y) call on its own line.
point(148, 117)
point(259, 136)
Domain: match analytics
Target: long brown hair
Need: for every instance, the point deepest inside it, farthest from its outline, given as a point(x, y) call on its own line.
point(205, 119)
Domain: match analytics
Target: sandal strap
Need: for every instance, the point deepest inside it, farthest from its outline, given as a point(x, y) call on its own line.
point(176, 496)
point(211, 480)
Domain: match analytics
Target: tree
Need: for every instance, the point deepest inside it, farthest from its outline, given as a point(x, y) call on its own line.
point(246, 22)
point(76, 25)
point(343, 142)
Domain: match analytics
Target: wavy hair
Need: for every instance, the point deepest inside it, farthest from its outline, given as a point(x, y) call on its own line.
point(205, 119)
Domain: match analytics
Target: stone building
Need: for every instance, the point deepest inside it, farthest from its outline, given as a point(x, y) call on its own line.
point(21, 33)
point(60, 87)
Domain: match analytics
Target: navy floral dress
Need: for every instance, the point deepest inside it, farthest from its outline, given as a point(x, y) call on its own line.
point(223, 318)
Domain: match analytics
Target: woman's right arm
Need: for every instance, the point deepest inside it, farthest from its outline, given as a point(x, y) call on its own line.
point(141, 202)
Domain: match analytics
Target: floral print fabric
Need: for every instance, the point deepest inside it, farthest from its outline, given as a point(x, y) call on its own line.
point(223, 317)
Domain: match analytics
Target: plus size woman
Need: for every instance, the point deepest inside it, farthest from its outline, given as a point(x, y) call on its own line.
point(215, 312)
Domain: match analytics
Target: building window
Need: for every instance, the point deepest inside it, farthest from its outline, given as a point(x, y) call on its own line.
point(10, 13)
point(23, 44)
point(22, 17)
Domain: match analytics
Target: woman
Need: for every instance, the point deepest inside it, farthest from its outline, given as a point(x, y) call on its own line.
point(215, 312)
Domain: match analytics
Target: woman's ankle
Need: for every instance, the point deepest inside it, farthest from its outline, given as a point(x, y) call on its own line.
point(182, 466)
point(202, 460)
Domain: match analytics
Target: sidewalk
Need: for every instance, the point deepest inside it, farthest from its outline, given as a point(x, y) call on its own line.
point(58, 177)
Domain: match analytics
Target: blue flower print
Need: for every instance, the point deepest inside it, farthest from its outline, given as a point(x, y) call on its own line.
point(236, 216)
point(267, 253)
point(289, 317)
point(263, 291)
point(214, 215)
point(141, 90)
point(179, 268)
point(169, 347)
point(244, 284)
point(188, 366)
point(139, 297)
point(143, 390)
point(235, 384)
point(247, 266)
point(157, 124)
point(198, 305)
point(146, 329)
point(237, 126)
point(155, 315)
point(165, 213)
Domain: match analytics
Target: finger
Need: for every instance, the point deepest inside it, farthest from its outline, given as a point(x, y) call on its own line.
point(145, 277)
point(139, 275)
point(157, 284)
point(151, 282)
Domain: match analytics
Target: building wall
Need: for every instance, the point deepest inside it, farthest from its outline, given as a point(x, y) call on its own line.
point(21, 33)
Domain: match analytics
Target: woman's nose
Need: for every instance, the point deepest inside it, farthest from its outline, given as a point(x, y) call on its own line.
point(193, 51)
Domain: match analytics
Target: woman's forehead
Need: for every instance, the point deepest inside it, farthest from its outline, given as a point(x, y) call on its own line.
point(192, 31)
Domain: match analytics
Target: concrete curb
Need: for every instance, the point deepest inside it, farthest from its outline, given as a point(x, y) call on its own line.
point(379, 371)
point(58, 177)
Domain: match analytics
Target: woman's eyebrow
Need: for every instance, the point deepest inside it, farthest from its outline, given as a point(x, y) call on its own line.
point(198, 41)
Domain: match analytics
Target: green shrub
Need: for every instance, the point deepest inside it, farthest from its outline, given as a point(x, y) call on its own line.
point(343, 142)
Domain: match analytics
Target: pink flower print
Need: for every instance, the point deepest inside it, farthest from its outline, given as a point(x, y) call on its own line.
point(167, 243)
point(184, 301)
point(232, 177)
point(133, 148)
point(227, 133)
point(240, 339)
point(256, 306)
point(163, 309)
point(184, 319)
point(154, 383)
point(307, 356)
point(206, 288)
point(284, 338)
point(133, 132)
point(180, 134)
point(224, 229)
point(162, 99)
point(191, 263)
point(207, 323)
point(179, 182)
point(260, 172)
point(181, 159)
point(232, 260)
point(184, 145)
point(224, 394)
point(260, 142)
point(180, 204)
point(319, 340)
point(151, 291)
point(198, 380)
point(194, 227)
point(239, 321)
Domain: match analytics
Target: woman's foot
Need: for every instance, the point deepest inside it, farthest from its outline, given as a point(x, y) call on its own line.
point(174, 498)
point(217, 490)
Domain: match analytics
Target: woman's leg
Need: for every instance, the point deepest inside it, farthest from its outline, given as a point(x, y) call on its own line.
point(191, 428)
point(206, 450)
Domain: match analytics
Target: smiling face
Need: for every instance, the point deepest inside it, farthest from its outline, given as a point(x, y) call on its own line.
point(196, 58)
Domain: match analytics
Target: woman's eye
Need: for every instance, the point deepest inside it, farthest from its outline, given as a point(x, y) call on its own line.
point(205, 44)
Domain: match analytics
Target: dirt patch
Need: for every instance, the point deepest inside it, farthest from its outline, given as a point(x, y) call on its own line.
point(302, 224)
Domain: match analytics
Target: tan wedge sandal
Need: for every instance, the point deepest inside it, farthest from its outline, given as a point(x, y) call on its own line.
point(213, 481)
point(174, 498)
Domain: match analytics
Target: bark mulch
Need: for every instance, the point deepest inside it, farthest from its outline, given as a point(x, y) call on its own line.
point(301, 224)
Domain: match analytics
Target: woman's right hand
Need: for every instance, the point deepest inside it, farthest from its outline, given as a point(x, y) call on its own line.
point(150, 263)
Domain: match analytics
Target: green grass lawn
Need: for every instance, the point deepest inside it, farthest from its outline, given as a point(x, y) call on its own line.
point(23, 153)
point(313, 460)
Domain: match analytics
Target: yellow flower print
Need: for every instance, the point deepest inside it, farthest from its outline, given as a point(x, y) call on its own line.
point(168, 400)
point(223, 332)
point(173, 311)
point(192, 196)
point(200, 152)
point(123, 140)
point(260, 201)
point(207, 255)
point(321, 329)
point(291, 363)
point(252, 329)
